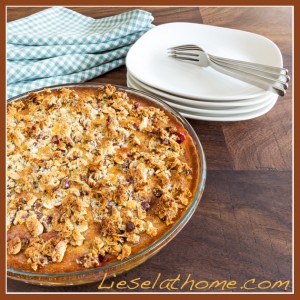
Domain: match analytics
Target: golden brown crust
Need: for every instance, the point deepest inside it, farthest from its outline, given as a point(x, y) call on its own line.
point(94, 176)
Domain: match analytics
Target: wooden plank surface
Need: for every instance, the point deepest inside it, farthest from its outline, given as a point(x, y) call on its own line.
point(242, 228)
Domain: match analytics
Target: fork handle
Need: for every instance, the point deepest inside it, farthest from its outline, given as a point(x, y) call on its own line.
point(254, 71)
point(274, 87)
point(252, 65)
point(269, 77)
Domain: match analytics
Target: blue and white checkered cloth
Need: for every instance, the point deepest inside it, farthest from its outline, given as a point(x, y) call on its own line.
point(58, 45)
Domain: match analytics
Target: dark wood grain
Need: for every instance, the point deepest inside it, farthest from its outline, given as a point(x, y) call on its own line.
point(242, 228)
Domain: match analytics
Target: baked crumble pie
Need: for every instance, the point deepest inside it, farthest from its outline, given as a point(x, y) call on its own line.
point(94, 175)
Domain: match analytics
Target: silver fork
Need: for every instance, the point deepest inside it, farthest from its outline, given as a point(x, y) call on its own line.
point(238, 62)
point(269, 78)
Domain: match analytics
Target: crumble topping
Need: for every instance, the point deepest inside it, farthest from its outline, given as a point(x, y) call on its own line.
point(14, 245)
point(80, 159)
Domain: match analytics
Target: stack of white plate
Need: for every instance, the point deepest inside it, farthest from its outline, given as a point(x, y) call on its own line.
point(196, 92)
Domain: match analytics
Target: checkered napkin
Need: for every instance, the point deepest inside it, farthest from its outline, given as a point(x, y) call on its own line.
point(58, 45)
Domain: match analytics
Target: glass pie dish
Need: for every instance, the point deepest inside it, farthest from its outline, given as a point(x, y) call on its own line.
point(115, 268)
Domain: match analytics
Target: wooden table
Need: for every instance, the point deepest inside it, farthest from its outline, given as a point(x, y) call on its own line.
point(242, 228)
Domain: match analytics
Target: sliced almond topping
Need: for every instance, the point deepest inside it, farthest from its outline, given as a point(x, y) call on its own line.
point(34, 226)
point(59, 251)
point(14, 245)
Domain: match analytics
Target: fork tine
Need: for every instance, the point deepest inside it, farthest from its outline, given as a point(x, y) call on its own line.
point(183, 53)
point(185, 59)
point(184, 47)
point(182, 57)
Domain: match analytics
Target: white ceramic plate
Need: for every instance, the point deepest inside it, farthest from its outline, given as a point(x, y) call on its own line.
point(147, 60)
point(200, 103)
point(207, 112)
point(241, 117)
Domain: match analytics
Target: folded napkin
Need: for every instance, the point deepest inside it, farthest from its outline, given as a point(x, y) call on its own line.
point(58, 45)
